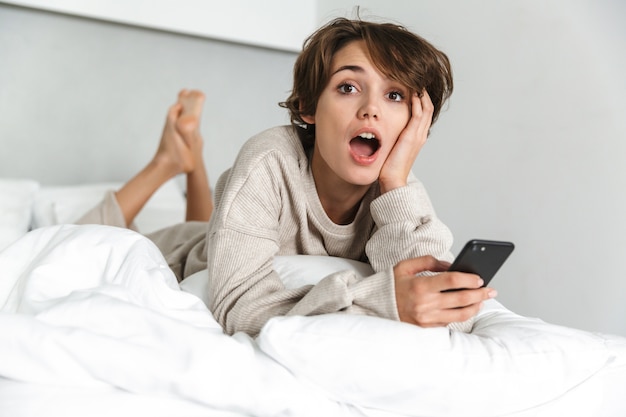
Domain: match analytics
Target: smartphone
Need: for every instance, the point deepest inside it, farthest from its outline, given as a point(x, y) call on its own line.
point(482, 257)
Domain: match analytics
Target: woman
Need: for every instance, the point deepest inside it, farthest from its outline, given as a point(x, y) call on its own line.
point(336, 182)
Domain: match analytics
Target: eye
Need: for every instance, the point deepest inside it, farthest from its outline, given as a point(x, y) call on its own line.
point(395, 96)
point(347, 88)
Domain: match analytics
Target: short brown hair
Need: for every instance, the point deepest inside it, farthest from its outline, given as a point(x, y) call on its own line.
point(395, 51)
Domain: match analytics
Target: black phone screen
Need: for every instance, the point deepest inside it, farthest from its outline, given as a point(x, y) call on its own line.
point(482, 257)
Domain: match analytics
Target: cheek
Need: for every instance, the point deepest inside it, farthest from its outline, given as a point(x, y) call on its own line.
point(400, 122)
point(401, 114)
point(407, 115)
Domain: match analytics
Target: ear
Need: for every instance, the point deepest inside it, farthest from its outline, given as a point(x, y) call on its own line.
point(308, 119)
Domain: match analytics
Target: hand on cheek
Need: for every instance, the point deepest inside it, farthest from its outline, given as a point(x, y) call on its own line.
point(397, 167)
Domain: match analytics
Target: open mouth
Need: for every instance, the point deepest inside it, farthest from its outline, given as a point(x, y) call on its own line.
point(365, 144)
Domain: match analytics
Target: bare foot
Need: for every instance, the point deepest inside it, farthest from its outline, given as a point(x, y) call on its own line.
point(188, 123)
point(180, 149)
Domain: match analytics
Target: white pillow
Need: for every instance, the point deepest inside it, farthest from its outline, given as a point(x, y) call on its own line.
point(507, 364)
point(295, 271)
point(66, 204)
point(16, 201)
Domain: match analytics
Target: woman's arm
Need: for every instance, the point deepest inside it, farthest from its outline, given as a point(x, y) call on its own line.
point(246, 292)
point(412, 239)
point(261, 211)
point(406, 227)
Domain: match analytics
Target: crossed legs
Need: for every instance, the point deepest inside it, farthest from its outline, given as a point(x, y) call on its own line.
point(179, 152)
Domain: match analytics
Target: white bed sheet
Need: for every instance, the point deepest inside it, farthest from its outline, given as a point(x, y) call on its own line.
point(23, 399)
point(93, 312)
point(601, 396)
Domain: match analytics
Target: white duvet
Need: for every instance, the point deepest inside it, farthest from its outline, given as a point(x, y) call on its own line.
point(96, 305)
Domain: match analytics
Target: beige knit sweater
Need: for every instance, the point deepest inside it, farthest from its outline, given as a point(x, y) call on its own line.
point(267, 205)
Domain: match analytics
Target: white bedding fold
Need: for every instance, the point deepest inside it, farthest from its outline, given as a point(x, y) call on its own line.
point(96, 305)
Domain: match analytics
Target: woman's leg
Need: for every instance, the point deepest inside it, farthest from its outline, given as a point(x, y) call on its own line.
point(199, 199)
point(180, 151)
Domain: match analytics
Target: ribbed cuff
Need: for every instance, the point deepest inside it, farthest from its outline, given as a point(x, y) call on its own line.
point(397, 205)
point(377, 293)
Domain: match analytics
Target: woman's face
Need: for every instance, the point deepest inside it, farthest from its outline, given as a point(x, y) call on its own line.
point(358, 119)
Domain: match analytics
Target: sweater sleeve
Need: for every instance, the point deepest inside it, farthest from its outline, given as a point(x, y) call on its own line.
point(246, 292)
point(406, 227)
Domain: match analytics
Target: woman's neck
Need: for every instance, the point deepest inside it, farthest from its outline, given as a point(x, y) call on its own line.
point(340, 200)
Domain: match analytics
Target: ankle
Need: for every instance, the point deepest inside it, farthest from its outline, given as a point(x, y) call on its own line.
point(165, 166)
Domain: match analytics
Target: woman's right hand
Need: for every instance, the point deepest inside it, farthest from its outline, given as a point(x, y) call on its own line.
point(426, 300)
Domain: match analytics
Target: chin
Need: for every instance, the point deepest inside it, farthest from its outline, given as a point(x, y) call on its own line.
point(363, 181)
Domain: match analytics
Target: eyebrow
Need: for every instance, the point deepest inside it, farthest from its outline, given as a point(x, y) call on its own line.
point(354, 68)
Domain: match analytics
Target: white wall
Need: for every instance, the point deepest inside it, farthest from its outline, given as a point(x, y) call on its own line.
point(532, 147)
point(244, 21)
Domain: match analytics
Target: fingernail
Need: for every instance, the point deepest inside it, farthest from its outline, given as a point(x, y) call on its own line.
point(492, 293)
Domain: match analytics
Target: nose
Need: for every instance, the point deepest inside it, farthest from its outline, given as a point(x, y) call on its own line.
point(369, 108)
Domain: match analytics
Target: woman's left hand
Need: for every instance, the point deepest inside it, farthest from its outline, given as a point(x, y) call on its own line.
point(396, 169)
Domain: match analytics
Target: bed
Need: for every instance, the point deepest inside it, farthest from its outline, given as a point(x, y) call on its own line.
point(94, 323)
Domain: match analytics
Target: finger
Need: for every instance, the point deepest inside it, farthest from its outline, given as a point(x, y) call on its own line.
point(461, 314)
point(416, 115)
point(444, 316)
point(416, 106)
point(427, 105)
point(464, 298)
point(426, 110)
point(421, 117)
point(446, 264)
point(453, 281)
point(423, 263)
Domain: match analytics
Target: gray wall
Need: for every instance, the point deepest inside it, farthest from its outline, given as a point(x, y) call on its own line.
point(531, 148)
point(84, 100)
